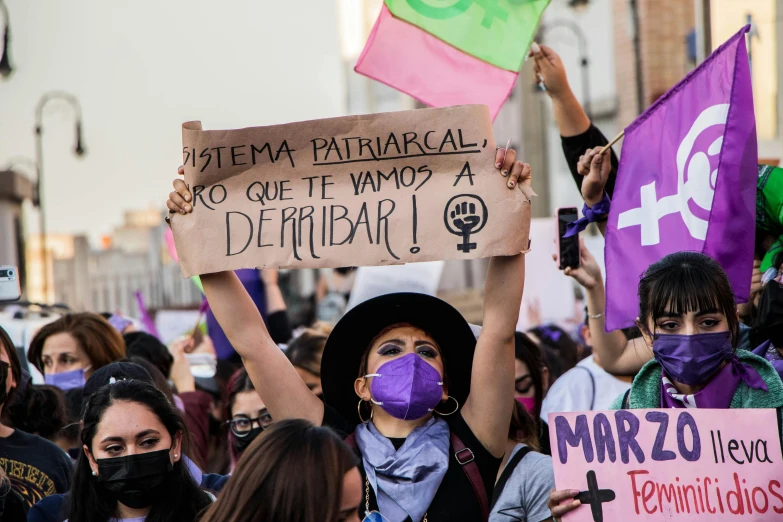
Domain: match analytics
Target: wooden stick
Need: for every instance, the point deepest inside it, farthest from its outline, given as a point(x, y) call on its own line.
point(615, 140)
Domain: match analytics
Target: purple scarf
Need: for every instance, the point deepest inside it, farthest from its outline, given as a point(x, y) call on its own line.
point(405, 480)
point(718, 392)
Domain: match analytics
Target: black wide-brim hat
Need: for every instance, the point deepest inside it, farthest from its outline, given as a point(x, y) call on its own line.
point(352, 336)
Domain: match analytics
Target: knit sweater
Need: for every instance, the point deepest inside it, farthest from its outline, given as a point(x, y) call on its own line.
point(646, 388)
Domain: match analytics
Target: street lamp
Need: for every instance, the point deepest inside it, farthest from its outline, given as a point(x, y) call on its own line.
point(78, 150)
point(585, 64)
point(5, 59)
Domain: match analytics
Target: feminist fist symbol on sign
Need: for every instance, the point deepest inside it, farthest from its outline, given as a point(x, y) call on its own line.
point(463, 220)
point(445, 9)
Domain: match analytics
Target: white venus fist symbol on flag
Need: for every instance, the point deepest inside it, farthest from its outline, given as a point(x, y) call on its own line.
point(699, 185)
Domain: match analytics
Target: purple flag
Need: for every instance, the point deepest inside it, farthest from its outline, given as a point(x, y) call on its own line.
point(687, 181)
point(144, 316)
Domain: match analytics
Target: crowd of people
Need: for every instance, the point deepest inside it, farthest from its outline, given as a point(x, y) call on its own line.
point(396, 410)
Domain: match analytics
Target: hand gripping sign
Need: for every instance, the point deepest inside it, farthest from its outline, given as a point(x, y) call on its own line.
point(379, 189)
point(658, 465)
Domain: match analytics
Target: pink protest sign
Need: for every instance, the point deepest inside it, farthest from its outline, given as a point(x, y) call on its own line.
point(674, 464)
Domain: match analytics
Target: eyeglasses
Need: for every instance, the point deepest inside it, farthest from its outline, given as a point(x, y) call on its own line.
point(242, 425)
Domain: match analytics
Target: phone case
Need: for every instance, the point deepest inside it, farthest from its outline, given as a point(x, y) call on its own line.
point(9, 284)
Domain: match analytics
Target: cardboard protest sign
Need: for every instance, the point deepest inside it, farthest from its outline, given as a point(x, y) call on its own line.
point(373, 281)
point(377, 189)
point(670, 464)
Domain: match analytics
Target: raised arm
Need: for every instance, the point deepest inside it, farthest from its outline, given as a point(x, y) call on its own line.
point(577, 132)
point(273, 376)
point(487, 411)
point(570, 117)
point(615, 353)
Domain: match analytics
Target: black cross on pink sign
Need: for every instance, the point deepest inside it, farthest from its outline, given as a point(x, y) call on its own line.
point(595, 497)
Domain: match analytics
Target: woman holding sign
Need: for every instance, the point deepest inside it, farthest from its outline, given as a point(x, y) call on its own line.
point(426, 406)
point(687, 315)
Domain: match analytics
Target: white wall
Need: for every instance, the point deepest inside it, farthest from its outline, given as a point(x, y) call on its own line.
point(595, 22)
point(140, 69)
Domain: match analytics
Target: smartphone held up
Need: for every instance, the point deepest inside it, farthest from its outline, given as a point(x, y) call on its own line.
point(10, 289)
point(567, 247)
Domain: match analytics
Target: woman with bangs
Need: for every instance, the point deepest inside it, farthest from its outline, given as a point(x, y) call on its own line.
point(688, 318)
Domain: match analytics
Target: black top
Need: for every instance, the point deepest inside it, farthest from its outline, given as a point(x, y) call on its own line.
point(13, 508)
point(456, 499)
point(575, 146)
point(36, 467)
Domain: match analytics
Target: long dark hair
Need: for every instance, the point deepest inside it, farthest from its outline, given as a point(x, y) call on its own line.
point(182, 499)
point(13, 359)
point(306, 350)
point(40, 410)
point(529, 353)
point(686, 282)
point(523, 427)
point(293, 471)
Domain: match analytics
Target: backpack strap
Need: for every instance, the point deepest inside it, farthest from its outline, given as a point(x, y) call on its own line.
point(507, 471)
point(592, 382)
point(467, 460)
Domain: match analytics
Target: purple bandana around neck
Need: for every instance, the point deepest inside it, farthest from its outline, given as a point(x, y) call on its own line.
point(719, 391)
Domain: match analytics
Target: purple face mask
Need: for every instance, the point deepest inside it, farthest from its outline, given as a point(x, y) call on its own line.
point(66, 380)
point(406, 388)
point(692, 359)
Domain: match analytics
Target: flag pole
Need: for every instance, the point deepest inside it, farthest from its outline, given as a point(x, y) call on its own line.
point(615, 140)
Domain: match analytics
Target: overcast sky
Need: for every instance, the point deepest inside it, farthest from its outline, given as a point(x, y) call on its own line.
point(140, 69)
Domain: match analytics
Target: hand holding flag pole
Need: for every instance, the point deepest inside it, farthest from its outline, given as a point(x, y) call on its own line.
point(614, 140)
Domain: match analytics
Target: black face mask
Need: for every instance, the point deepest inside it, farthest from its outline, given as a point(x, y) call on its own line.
point(241, 443)
point(135, 480)
point(770, 318)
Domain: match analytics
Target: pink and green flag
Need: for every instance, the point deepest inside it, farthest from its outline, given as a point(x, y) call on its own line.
point(496, 31)
point(413, 61)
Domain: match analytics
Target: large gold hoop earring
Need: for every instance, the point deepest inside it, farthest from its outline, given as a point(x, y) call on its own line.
point(359, 411)
point(456, 407)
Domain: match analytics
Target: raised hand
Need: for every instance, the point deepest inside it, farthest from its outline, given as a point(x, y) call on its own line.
point(595, 168)
point(549, 69)
point(180, 199)
point(589, 273)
